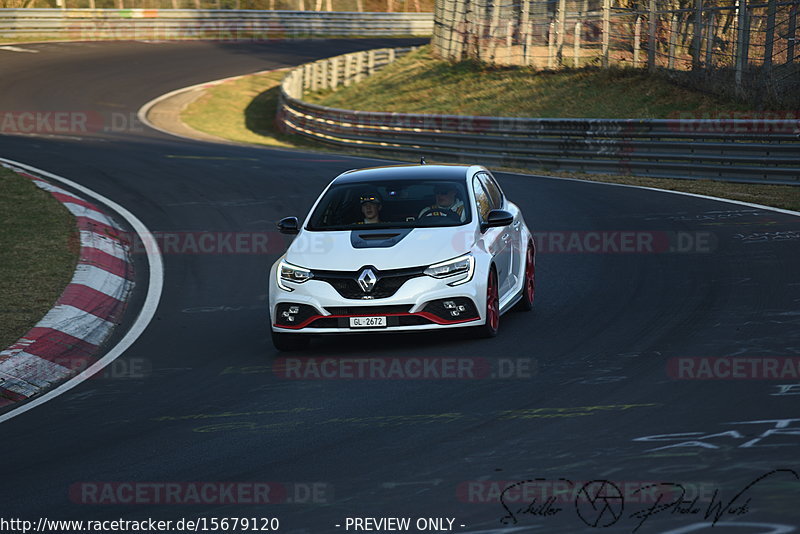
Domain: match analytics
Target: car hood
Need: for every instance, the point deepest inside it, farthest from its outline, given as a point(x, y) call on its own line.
point(384, 249)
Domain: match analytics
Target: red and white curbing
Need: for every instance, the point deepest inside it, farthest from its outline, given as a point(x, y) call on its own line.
point(64, 342)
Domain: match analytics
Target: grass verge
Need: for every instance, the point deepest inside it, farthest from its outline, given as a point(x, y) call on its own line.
point(243, 110)
point(418, 83)
point(39, 244)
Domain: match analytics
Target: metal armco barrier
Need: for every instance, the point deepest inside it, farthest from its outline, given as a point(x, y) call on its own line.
point(178, 24)
point(733, 149)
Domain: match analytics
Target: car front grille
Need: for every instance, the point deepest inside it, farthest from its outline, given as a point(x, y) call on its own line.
point(388, 282)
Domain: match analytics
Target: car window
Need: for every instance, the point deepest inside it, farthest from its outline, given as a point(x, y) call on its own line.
point(482, 200)
point(393, 204)
point(492, 190)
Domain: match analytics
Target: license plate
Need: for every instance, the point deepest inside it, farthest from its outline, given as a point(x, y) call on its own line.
point(367, 322)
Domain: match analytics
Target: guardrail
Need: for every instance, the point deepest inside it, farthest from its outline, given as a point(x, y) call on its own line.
point(180, 24)
point(749, 150)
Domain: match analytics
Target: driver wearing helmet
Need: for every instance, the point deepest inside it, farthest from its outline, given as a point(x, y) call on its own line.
point(446, 204)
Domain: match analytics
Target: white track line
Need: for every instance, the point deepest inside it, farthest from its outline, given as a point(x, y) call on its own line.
point(706, 197)
point(154, 288)
point(18, 49)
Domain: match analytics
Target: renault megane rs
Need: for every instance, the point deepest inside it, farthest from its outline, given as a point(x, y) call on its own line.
point(402, 249)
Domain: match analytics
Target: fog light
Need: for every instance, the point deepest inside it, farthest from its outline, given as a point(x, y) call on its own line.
point(455, 313)
point(294, 309)
point(462, 308)
point(449, 305)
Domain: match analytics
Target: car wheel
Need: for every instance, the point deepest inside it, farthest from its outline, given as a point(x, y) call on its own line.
point(529, 287)
point(492, 324)
point(289, 342)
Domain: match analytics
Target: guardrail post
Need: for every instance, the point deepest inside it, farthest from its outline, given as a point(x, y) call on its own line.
point(370, 62)
point(697, 33)
point(652, 22)
point(606, 30)
point(359, 66)
point(710, 42)
point(334, 70)
point(576, 45)
point(308, 76)
point(348, 69)
point(637, 38)
point(323, 74)
point(551, 46)
point(316, 76)
point(673, 38)
point(792, 33)
point(392, 55)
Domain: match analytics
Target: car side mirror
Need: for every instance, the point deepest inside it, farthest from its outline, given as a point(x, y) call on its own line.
point(497, 218)
point(289, 225)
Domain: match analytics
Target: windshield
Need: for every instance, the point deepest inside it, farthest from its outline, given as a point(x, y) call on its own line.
point(392, 204)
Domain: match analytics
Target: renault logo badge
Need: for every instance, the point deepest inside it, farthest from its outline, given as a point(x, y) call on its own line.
point(367, 280)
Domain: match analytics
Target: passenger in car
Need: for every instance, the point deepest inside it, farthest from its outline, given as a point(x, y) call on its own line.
point(370, 208)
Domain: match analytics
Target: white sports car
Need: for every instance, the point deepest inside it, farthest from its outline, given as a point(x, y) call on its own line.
point(402, 249)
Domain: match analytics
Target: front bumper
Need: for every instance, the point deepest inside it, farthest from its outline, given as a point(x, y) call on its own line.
point(421, 303)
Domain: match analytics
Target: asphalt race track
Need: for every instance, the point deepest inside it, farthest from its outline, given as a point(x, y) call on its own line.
point(621, 346)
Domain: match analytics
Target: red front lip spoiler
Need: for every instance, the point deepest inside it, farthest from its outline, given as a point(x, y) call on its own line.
point(426, 315)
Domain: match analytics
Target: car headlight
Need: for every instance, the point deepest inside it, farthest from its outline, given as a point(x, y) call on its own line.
point(292, 273)
point(462, 268)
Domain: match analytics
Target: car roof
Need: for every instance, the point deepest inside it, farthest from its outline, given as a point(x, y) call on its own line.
point(405, 172)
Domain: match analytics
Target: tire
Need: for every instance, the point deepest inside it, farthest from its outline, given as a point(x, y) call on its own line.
point(289, 342)
point(492, 313)
point(529, 287)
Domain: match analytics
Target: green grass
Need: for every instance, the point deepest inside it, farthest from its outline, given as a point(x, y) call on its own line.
point(418, 83)
point(241, 110)
point(39, 245)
